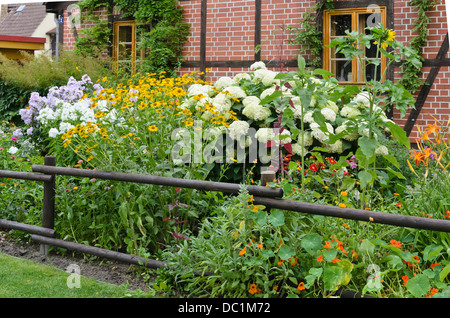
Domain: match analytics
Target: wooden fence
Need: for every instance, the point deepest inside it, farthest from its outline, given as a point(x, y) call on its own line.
point(269, 197)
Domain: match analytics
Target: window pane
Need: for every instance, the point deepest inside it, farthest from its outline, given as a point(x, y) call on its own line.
point(334, 55)
point(342, 69)
point(370, 72)
point(340, 23)
point(125, 33)
point(125, 51)
point(369, 20)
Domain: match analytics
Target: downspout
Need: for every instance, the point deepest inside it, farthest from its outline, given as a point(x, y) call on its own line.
point(57, 37)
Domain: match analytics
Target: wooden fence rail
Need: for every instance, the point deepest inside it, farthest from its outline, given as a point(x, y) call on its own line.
point(270, 197)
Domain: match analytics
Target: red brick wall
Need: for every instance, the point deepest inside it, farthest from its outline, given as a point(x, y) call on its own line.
point(230, 37)
point(438, 102)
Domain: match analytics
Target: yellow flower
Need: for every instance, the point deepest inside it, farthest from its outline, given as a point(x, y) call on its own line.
point(344, 193)
point(152, 128)
point(342, 205)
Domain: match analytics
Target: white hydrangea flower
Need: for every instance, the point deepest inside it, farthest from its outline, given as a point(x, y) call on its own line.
point(287, 140)
point(267, 92)
point(328, 113)
point(266, 77)
point(235, 92)
point(307, 139)
point(332, 105)
point(196, 89)
point(256, 112)
point(308, 117)
point(298, 149)
point(362, 99)
point(258, 66)
point(337, 147)
point(265, 135)
point(223, 82)
point(222, 103)
point(239, 77)
point(318, 134)
point(238, 128)
point(381, 150)
point(350, 112)
point(349, 136)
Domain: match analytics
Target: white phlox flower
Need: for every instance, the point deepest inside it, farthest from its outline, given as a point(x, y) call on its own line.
point(53, 132)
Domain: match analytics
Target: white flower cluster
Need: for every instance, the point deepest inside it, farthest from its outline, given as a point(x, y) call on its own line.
point(65, 116)
point(242, 96)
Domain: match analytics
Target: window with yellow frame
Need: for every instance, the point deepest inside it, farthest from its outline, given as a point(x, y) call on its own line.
point(335, 23)
point(127, 53)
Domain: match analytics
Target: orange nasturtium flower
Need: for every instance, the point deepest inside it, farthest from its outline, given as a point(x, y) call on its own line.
point(253, 289)
point(405, 280)
point(395, 243)
point(301, 286)
point(242, 252)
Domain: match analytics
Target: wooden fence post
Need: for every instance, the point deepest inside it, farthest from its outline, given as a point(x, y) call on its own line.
point(267, 176)
point(48, 204)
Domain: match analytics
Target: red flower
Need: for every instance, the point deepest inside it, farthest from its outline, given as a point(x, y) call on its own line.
point(399, 204)
point(313, 167)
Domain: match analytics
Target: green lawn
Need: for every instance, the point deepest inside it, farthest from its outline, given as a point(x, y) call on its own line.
point(25, 279)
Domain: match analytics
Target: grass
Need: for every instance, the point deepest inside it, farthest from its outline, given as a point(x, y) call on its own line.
point(25, 279)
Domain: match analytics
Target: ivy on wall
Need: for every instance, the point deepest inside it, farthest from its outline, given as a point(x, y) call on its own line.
point(411, 73)
point(309, 34)
point(164, 42)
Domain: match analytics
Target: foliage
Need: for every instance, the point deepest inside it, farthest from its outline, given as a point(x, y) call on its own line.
point(411, 72)
point(39, 74)
point(308, 33)
point(164, 42)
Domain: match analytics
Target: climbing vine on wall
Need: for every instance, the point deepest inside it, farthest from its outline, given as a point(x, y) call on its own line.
point(163, 42)
point(411, 73)
point(309, 34)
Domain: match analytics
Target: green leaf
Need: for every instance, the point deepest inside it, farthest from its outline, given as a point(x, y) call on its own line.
point(261, 217)
point(367, 247)
point(336, 275)
point(301, 63)
point(276, 218)
point(418, 286)
point(399, 134)
point(392, 160)
point(325, 74)
point(368, 146)
point(271, 97)
point(431, 252)
point(444, 272)
point(312, 243)
point(365, 178)
point(286, 252)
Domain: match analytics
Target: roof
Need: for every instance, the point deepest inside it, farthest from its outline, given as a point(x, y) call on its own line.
point(22, 19)
point(28, 39)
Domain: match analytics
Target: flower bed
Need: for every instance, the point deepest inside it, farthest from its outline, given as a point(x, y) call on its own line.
point(328, 144)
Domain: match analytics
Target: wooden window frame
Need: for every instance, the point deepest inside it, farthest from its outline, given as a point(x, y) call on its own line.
point(327, 55)
point(136, 55)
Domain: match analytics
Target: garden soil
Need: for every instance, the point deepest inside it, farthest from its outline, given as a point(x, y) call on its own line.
point(102, 270)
